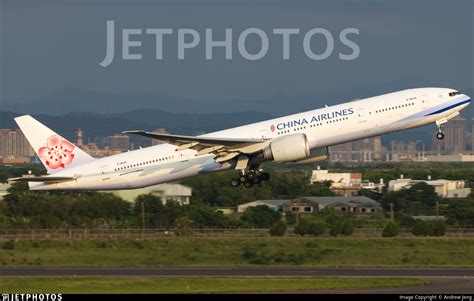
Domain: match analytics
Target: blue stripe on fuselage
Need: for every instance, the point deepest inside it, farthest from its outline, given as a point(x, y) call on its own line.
point(450, 107)
point(438, 109)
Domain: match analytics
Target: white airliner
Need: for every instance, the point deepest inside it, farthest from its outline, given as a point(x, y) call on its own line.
point(301, 138)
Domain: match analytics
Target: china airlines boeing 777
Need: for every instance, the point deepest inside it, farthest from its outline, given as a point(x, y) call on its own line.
point(300, 138)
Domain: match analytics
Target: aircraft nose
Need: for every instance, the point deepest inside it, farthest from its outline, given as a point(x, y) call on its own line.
point(468, 98)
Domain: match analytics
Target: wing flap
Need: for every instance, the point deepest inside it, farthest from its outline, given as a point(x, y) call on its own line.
point(225, 149)
point(204, 141)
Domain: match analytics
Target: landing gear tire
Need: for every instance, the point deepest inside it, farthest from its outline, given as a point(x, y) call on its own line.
point(257, 180)
point(235, 182)
point(440, 135)
point(248, 184)
point(265, 176)
point(252, 176)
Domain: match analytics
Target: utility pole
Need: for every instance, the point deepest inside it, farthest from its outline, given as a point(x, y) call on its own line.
point(143, 218)
point(391, 213)
point(437, 211)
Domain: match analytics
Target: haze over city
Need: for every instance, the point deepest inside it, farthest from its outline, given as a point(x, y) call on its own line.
point(402, 45)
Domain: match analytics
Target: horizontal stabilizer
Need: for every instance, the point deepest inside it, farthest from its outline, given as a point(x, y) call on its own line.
point(41, 179)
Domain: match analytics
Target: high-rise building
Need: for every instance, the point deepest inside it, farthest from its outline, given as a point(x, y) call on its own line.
point(368, 149)
point(472, 135)
point(14, 144)
point(341, 152)
point(403, 150)
point(454, 141)
point(119, 142)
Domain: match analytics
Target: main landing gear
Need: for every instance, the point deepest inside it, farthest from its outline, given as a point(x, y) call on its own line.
point(250, 178)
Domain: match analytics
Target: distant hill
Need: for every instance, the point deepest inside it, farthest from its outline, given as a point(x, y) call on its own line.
point(95, 125)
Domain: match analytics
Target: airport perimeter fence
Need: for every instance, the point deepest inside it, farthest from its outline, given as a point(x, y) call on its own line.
point(156, 233)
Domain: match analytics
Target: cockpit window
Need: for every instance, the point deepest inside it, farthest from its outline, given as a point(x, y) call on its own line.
point(454, 93)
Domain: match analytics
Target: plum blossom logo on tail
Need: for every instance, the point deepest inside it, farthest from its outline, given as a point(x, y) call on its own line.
point(57, 153)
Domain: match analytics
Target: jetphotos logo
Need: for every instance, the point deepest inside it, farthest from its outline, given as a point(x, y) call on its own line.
point(186, 40)
point(32, 297)
point(57, 152)
point(314, 119)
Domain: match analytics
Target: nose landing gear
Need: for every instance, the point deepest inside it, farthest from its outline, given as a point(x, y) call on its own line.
point(439, 125)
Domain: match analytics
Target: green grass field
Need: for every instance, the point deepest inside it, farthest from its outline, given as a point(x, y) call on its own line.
point(117, 285)
point(270, 251)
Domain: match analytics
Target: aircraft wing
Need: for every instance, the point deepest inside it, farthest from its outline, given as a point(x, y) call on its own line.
point(224, 148)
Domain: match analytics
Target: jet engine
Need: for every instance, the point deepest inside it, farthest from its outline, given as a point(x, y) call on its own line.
point(287, 148)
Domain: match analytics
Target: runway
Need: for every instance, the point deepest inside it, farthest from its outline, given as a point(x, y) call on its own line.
point(237, 272)
point(441, 281)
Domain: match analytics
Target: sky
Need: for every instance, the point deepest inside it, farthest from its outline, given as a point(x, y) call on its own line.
point(50, 53)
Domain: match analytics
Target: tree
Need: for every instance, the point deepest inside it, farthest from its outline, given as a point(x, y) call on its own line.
point(260, 216)
point(461, 212)
point(335, 229)
point(278, 229)
point(438, 228)
point(183, 226)
point(204, 216)
point(391, 230)
point(316, 229)
point(347, 228)
point(421, 228)
point(290, 218)
point(302, 228)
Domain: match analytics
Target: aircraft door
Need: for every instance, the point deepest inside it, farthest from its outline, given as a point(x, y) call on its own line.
point(361, 115)
point(104, 170)
point(425, 101)
point(264, 134)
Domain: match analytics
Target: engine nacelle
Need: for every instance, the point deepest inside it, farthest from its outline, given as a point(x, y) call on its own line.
point(287, 148)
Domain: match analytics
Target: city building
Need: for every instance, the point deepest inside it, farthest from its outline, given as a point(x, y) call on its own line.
point(403, 150)
point(93, 150)
point(472, 135)
point(276, 205)
point(364, 150)
point(355, 204)
point(118, 142)
point(3, 190)
point(360, 205)
point(450, 158)
point(455, 139)
point(345, 184)
point(14, 144)
point(338, 179)
point(341, 152)
point(444, 188)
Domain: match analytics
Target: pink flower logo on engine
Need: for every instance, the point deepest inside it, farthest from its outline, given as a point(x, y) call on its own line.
point(57, 153)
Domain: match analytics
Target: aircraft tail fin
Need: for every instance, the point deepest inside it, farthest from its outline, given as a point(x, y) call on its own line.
point(55, 152)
